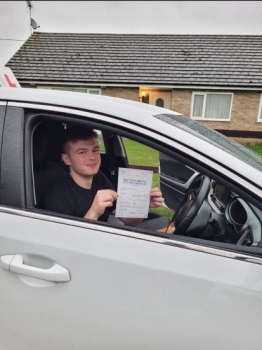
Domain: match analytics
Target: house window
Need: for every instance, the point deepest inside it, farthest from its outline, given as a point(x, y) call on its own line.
point(160, 102)
point(100, 141)
point(259, 119)
point(211, 106)
point(94, 92)
point(84, 90)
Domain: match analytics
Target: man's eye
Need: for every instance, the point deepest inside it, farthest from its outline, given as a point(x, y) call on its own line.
point(96, 150)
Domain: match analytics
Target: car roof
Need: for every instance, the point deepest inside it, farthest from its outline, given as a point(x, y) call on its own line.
point(107, 104)
point(142, 114)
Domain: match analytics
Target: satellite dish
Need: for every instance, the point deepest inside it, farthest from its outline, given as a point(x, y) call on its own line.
point(34, 24)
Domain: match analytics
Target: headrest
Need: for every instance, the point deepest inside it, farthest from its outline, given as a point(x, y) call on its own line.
point(47, 142)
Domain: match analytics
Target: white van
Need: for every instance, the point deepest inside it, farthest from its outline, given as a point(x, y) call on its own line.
point(7, 78)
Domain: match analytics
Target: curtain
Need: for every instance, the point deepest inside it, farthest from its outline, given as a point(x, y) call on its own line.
point(198, 105)
point(218, 106)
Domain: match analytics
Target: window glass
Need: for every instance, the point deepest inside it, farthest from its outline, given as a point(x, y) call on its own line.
point(74, 89)
point(160, 102)
point(217, 106)
point(94, 92)
point(211, 106)
point(68, 89)
point(260, 109)
point(198, 106)
point(100, 141)
point(203, 132)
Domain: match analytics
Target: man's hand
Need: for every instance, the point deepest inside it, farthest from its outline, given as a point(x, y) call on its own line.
point(156, 199)
point(102, 200)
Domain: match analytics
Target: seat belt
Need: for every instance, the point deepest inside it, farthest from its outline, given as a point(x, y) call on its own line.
point(112, 167)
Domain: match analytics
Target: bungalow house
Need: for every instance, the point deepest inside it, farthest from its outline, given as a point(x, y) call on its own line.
point(214, 79)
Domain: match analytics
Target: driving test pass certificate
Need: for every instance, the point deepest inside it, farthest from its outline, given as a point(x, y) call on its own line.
point(133, 190)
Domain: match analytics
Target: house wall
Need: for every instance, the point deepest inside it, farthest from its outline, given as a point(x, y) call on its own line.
point(127, 93)
point(244, 110)
point(244, 114)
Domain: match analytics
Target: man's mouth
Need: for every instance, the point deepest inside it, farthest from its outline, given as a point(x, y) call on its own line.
point(91, 165)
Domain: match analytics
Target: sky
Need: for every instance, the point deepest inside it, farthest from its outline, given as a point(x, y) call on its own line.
point(126, 17)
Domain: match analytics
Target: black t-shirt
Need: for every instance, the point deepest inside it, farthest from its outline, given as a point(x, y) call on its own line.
point(69, 198)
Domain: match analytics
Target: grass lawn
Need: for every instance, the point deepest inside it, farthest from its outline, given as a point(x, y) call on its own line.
point(256, 148)
point(139, 154)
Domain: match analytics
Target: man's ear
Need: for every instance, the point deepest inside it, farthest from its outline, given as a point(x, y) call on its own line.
point(66, 159)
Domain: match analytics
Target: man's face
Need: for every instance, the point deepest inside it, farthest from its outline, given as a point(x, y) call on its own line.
point(83, 157)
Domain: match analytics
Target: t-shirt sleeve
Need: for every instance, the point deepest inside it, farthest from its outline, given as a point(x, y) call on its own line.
point(57, 203)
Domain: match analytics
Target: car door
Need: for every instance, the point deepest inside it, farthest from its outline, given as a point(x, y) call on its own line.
point(123, 292)
point(71, 284)
point(2, 119)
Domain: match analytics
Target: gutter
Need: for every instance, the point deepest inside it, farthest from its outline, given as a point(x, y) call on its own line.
point(165, 87)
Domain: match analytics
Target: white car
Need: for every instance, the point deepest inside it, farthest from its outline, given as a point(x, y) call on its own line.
point(71, 283)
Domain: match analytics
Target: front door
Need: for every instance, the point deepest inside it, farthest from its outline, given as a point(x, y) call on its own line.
point(157, 98)
point(160, 99)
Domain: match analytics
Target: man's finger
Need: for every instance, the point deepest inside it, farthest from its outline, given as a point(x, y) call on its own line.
point(158, 202)
point(156, 193)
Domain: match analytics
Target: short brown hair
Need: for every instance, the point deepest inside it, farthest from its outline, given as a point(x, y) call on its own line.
point(74, 133)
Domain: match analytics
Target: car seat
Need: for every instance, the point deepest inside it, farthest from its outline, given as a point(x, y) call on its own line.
point(47, 149)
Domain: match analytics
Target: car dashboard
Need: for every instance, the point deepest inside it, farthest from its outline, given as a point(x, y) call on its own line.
point(232, 220)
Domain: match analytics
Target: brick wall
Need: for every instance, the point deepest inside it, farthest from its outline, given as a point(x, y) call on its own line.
point(127, 93)
point(181, 101)
point(244, 110)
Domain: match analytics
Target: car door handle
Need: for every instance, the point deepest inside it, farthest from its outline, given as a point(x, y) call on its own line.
point(15, 263)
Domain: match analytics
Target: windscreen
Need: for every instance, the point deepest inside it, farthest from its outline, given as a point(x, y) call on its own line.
point(213, 137)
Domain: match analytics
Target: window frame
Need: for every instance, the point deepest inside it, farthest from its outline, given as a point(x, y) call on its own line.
point(128, 230)
point(163, 144)
point(204, 105)
point(259, 119)
point(73, 89)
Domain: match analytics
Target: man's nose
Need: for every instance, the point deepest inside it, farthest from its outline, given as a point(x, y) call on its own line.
point(92, 155)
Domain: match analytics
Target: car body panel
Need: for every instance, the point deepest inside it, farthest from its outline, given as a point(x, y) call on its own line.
point(124, 293)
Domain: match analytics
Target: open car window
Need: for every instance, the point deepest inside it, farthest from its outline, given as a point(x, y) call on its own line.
point(234, 222)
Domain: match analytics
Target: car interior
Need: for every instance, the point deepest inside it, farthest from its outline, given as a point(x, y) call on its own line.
point(207, 210)
point(49, 169)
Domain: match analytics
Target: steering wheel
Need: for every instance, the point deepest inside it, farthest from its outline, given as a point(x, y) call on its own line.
point(190, 205)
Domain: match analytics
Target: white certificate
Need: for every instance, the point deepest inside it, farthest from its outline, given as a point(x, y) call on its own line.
point(133, 190)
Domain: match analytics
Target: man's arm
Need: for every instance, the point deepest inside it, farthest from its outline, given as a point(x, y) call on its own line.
point(129, 221)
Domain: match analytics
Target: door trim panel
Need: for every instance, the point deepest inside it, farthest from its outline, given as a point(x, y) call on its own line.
point(179, 186)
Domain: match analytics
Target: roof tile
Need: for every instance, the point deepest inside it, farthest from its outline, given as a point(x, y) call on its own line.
point(229, 60)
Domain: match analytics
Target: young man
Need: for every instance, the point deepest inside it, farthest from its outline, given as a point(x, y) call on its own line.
point(86, 192)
